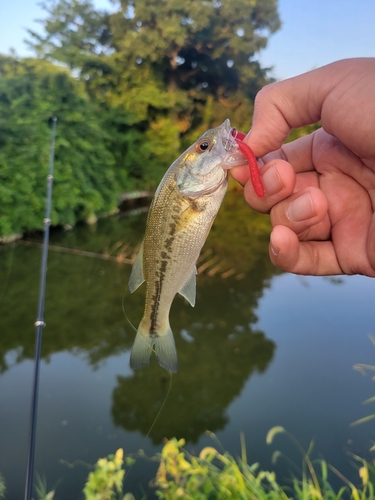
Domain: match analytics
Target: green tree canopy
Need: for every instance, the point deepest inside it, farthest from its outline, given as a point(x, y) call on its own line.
point(31, 92)
point(180, 64)
point(131, 89)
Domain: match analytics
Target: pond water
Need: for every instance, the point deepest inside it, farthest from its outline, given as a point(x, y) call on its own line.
point(260, 349)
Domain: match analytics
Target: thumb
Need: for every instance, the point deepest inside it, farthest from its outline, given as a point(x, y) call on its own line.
point(270, 127)
point(288, 104)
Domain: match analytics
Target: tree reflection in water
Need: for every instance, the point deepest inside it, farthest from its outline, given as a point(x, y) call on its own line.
point(212, 372)
point(218, 345)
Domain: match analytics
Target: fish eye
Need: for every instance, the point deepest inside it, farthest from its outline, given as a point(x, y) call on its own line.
point(202, 146)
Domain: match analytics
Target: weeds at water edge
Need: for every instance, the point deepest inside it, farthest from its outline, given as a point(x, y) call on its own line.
point(214, 475)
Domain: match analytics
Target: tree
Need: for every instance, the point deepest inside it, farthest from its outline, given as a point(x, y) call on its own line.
point(180, 64)
point(200, 45)
point(131, 89)
point(31, 92)
point(74, 32)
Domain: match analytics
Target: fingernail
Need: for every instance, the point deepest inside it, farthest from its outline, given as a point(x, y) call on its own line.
point(301, 208)
point(272, 182)
point(274, 249)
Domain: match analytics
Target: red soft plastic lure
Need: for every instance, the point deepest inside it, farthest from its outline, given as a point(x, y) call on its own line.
point(252, 161)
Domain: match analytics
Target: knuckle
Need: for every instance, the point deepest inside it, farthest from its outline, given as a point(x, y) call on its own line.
point(264, 93)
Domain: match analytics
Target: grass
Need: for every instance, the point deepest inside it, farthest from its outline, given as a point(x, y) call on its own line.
point(2, 487)
point(363, 368)
point(219, 476)
point(213, 475)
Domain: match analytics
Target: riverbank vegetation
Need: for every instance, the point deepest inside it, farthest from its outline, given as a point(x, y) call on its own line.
point(218, 475)
point(131, 89)
point(214, 475)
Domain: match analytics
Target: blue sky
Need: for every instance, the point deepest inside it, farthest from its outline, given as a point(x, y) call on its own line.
point(314, 32)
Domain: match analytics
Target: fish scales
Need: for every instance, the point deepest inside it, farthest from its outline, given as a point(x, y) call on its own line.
point(172, 245)
point(180, 218)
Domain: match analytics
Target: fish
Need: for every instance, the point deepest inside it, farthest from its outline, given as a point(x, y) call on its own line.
point(181, 214)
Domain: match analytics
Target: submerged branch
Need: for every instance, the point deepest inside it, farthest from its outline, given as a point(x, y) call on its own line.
point(84, 253)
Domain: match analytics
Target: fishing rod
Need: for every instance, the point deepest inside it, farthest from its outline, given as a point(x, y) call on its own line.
point(39, 324)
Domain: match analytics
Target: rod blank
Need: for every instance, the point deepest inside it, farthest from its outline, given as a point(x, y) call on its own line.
point(39, 324)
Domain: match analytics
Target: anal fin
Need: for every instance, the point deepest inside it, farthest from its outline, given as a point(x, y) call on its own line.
point(136, 276)
point(189, 290)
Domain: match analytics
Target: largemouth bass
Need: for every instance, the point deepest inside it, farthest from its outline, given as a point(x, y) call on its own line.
point(181, 215)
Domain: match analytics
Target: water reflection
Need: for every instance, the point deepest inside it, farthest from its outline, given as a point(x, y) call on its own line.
point(217, 345)
point(306, 384)
point(218, 342)
point(212, 372)
point(83, 304)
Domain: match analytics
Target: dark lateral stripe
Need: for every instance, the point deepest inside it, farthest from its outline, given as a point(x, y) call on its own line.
point(158, 284)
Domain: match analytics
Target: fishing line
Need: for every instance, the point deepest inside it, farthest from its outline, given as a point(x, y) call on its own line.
point(39, 324)
point(165, 398)
point(162, 406)
point(126, 316)
point(130, 323)
point(153, 424)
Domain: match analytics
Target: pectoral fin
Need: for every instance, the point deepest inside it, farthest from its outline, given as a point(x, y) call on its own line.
point(189, 289)
point(136, 276)
point(186, 218)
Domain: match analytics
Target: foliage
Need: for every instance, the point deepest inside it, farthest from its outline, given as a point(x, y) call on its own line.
point(296, 133)
point(131, 89)
point(309, 486)
point(213, 475)
point(72, 29)
point(190, 46)
point(41, 490)
point(149, 78)
point(166, 70)
point(200, 50)
point(105, 482)
point(31, 92)
point(363, 368)
point(216, 476)
point(2, 487)
point(313, 485)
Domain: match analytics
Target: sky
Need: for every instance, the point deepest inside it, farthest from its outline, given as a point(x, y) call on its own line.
point(313, 32)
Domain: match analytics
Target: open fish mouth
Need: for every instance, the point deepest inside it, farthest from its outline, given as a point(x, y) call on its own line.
point(237, 150)
point(228, 137)
point(232, 156)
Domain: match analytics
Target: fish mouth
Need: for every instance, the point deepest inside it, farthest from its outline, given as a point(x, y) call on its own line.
point(228, 138)
point(232, 157)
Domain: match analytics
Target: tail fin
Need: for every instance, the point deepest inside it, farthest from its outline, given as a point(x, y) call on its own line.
point(141, 350)
point(165, 349)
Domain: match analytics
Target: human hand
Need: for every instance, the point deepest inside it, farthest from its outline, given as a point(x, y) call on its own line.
point(320, 189)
